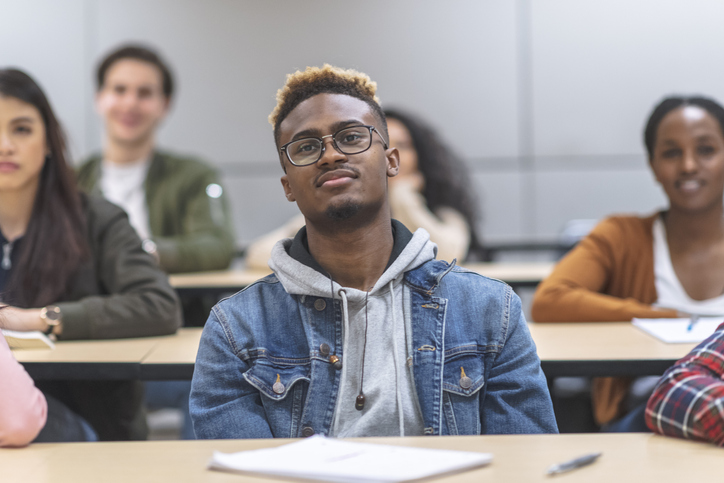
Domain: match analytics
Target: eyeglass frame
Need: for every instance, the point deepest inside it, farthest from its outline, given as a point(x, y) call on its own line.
point(334, 143)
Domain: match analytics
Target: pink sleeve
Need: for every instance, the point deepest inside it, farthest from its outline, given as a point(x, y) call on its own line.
point(23, 408)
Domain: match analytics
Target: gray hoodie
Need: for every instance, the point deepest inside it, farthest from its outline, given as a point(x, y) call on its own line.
point(391, 407)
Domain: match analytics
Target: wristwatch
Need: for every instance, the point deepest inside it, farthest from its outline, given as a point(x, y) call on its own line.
point(52, 317)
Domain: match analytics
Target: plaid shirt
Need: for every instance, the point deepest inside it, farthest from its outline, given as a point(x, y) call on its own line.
point(689, 399)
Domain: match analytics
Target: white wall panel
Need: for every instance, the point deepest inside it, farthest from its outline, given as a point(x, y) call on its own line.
point(46, 39)
point(453, 62)
point(599, 66)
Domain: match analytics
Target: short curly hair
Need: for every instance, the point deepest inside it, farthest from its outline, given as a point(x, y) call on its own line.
point(327, 79)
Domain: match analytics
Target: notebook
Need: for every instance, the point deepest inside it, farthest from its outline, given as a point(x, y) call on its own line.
point(676, 331)
point(328, 459)
point(27, 340)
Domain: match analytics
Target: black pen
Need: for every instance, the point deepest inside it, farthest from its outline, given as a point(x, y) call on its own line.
point(573, 464)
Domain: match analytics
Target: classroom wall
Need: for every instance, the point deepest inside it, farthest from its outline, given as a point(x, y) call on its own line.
point(545, 99)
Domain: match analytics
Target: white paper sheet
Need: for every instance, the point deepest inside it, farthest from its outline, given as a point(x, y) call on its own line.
point(329, 459)
point(675, 331)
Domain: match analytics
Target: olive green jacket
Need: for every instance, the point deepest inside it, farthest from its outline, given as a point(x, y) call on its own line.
point(187, 212)
point(117, 292)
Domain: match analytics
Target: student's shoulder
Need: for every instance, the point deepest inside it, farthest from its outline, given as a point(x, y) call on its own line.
point(455, 279)
point(99, 211)
point(87, 170)
point(183, 164)
point(619, 227)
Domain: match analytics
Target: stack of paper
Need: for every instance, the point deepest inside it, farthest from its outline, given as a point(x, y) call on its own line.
point(27, 340)
point(673, 331)
point(328, 459)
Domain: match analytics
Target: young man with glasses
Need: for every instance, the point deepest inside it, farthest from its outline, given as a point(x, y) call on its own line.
point(360, 331)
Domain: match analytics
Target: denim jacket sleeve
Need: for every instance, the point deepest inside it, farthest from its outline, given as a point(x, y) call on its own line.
point(517, 399)
point(223, 405)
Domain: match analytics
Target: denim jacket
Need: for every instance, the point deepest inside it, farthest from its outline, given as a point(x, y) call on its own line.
point(265, 368)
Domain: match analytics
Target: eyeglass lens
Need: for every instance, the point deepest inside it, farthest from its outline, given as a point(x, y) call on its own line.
point(352, 140)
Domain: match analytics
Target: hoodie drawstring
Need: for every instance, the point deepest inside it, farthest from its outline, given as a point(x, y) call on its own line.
point(400, 417)
point(345, 320)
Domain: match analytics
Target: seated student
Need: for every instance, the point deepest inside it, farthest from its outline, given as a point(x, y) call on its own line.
point(175, 203)
point(689, 400)
point(432, 191)
point(23, 409)
point(360, 331)
point(662, 265)
point(71, 264)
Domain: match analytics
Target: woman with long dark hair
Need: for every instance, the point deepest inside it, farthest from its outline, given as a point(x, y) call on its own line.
point(432, 191)
point(71, 265)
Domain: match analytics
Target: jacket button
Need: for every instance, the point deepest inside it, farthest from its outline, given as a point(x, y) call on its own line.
point(466, 382)
point(278, 387)
point(324, 349)
point(336, 361)
point(320, 304)
point(307, 432)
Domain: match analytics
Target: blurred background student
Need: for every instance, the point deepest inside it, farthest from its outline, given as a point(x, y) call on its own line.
point(667, 264)
point(72, 266)
point(432, 191)
point(175, 202)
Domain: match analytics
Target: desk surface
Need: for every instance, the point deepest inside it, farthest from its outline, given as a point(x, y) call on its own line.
point(565, 349)
point(141, 358)
point(229, 280)
point(602, 349)
point(626, 458)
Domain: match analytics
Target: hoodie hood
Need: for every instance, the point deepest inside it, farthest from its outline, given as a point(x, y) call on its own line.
point(300, 279)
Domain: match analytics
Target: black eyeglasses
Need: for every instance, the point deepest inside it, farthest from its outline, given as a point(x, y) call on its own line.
point(350, 140)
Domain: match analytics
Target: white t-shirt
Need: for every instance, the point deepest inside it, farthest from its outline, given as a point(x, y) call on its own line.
point(123, 185)
point(670, 291)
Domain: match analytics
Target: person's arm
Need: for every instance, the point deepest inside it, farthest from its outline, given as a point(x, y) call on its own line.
point(259, 252)
point(207, 240)
point(138, 300)
point(23, 409)
point(517, 400)
point(689, 400)
point(447, 228)
point(223, 405)
point(572, 293)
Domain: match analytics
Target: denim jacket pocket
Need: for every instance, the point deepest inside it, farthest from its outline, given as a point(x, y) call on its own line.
point(283, 392)
point(275, 381)
point(463, 378)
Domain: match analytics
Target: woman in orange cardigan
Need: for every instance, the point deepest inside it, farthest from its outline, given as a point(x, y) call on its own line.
point(665, 265)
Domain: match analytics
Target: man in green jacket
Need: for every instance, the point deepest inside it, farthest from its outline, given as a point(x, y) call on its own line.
point(176, 204)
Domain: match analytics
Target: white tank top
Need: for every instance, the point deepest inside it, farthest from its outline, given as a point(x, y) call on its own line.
point(671, 293)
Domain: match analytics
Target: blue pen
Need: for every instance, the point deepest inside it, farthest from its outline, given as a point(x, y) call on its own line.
point(693, 320)
point(573, 464)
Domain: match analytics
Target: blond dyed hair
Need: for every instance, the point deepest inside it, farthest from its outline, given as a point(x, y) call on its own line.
point(302, 85)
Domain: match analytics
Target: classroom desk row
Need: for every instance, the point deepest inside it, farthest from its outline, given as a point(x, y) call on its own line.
point(565, 349)
point(630, 457)
point(230, 281)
